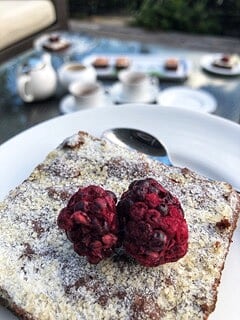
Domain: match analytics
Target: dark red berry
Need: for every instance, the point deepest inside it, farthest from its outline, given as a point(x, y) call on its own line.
point(54, 38)
point(90, 222)
point(152, 223)
point(225, 58)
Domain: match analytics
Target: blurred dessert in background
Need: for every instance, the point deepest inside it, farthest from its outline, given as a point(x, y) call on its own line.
point(55, 42)
point(101, 62)
point(171, 64)
point(226, 61)
point(122, 63)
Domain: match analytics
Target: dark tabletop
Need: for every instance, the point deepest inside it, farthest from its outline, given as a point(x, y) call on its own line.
point(16, 116)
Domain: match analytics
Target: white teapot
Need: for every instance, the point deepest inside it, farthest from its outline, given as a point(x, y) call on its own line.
point(37, 79)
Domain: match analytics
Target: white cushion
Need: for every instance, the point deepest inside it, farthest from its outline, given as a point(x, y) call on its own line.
point(22, 18)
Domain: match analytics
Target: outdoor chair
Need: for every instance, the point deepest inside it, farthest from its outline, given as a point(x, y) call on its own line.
point(22, 21)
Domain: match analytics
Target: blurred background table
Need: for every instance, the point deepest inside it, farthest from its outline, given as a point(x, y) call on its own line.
point(17, 116)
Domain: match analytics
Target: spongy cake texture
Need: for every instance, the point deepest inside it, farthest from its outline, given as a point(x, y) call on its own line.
point(41, 277)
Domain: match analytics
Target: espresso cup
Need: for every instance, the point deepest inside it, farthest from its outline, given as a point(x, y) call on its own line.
point(75, 71)
point(87, 95)
point(135, 84)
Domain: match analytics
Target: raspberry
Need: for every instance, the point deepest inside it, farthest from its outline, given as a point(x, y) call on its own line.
point(90, 222)
point(153, 228)
point(225, 58)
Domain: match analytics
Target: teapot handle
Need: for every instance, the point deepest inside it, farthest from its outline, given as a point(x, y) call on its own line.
point(23, 83)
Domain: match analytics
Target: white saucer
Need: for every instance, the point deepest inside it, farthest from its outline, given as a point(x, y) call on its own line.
point(187, 98)
point(67, 104)
point(207, 64)
point(117, 95)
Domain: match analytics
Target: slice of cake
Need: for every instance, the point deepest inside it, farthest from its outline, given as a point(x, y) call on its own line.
point(41, 277)
point(101, 62)
point(226, 61)
point(56, 43)
point(171, 64)
point(122, 63)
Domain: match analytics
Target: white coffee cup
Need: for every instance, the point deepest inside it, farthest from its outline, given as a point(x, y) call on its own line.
point(76, 71)
point(87, 95)
point(135, 84)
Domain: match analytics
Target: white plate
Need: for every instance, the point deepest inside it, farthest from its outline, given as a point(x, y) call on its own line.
point(117, 95)
point(67, 104)
point(149, 63)
point(203, 142)
point(187, 98)
point(207, 64)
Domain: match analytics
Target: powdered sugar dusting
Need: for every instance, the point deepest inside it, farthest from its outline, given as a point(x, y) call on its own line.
point(42, 274)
